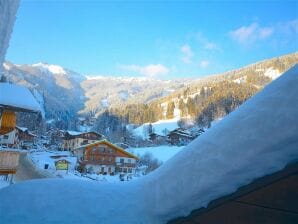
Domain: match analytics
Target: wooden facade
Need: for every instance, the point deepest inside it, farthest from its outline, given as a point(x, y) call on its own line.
point(105, 158)
point(23, 134)
point(9, 161)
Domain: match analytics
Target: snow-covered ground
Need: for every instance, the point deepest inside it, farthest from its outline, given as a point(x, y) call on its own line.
point(162, 153)
point(3, 182)
point(41, 158)
point(161, 127)
point(272, 73)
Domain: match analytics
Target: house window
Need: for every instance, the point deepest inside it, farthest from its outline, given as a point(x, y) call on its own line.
point(121, 160)
point(129, 160)
point(5, 137)
point(129, 170)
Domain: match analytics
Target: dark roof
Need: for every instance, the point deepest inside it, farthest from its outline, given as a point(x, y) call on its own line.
point(72, 135)
point(270, 199)
point(181, 133)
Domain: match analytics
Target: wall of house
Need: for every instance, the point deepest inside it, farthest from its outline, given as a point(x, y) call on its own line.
point(100, 169)
point(9, 138)
point(103, 156)
point(76, 142)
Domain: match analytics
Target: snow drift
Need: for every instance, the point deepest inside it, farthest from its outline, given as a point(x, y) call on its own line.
point(259, 138)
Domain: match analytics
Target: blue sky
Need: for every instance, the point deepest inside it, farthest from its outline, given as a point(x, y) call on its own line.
point(163, 39)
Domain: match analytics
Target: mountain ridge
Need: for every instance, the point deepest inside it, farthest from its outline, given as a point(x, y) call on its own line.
point(68, 94)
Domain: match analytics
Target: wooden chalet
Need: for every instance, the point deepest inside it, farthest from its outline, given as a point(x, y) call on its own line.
point(179, 137)
point(73, 139)
point(16, 99)
point(103, 157)
point(24, 136)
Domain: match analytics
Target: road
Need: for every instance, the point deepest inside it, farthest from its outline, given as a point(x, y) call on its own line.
point(26, 170)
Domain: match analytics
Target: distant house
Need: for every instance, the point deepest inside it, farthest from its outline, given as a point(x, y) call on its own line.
point(24, 137)
point(179, 137)
point(8, 139)
point(105, 158)
point(157, 139)
point(73, 139)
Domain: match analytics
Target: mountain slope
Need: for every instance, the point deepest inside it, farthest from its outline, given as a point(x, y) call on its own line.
point(106, 92)
point(58, 89)
point(64, 94)
point(211, 97)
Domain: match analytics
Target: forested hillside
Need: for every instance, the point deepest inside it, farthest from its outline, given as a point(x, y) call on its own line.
point(203, 101)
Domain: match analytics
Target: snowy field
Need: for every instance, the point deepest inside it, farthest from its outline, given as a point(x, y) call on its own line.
point(162, 153)
point(161, 127)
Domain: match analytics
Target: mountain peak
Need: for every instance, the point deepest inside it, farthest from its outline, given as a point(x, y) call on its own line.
point(55, 69)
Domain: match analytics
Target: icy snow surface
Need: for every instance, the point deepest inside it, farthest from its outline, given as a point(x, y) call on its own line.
point(17, 96)
point(259, 138)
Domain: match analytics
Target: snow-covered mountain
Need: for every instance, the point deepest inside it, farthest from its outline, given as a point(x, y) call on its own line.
point(56, 88)
point(105, 92)
point(64, 93)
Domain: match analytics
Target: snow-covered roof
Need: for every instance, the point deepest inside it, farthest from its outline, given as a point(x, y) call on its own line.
point(23, 129)
point(239, 149)
point(17, 97)
point(106, 142)
point(74, 133)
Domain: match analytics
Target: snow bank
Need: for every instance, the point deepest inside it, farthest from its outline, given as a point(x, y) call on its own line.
point(162, 153)
point(17, 96)
point(3, 183)
point(72, 201)
point(259, 138)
